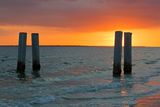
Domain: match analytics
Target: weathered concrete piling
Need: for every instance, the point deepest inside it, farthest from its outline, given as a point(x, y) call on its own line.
point(117, 54)
point(35, 55)
point(21, 54)
point(127, 53)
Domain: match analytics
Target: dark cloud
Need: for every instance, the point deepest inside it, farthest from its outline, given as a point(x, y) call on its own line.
point(80, 14)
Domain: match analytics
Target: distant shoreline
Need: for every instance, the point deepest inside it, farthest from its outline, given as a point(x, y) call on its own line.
point(77, 46)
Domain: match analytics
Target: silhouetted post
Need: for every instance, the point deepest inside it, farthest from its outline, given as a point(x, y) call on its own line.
point(21, 55)
point(127, 53)
point(35, 55)
point(117, 54)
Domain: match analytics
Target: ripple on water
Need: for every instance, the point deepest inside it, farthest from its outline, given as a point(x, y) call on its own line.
point(42, 99)
point(154, 81)
point(14, 104)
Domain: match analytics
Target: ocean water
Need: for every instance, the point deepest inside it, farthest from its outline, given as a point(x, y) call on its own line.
point(78, 77)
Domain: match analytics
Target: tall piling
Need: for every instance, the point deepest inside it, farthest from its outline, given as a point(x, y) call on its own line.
point(35, 55)
point(21, 54)
point(127, 53)
point(117, 54)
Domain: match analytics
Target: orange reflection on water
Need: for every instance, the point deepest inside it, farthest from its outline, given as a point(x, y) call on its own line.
point(153, 83)
point(151, 101)
point(124, 92)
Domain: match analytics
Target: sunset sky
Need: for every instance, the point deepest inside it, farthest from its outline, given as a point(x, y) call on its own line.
point(80, 22)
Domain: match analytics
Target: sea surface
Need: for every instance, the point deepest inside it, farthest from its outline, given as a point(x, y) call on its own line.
point(80, 77)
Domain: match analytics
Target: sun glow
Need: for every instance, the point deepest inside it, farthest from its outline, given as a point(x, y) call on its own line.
point(54, 36)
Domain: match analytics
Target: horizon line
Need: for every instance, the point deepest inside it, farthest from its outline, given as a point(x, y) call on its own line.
point(77, 46)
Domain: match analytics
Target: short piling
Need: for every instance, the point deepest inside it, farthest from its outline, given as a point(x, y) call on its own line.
point(117, 54)
point(127, 53)
point(35, 55)
point(21, 54)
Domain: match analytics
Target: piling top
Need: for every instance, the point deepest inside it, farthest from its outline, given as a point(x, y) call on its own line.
point(118, 31)
point(129, 33)
point(35, 33)
point(22, 33)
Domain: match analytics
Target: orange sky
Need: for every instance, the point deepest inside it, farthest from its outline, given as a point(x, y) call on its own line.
point(80, 22)
point(50, 36)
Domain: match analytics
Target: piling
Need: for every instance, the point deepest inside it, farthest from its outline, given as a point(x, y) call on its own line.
point(127, 53)
point(117, 54)
point(21, 54)
point(35, 55)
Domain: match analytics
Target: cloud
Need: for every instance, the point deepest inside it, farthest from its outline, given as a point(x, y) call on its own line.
point(81, 15)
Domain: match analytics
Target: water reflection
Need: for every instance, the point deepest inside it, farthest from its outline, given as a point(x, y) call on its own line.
point(125, 89)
